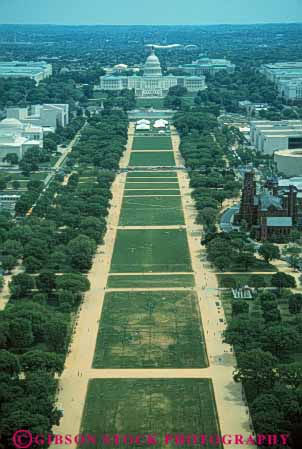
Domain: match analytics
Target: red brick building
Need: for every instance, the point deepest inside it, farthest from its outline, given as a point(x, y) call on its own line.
point(267, 212)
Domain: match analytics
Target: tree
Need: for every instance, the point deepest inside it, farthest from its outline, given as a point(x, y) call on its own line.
point(20, 333)
point(272, 315)
point(32, 264)
point(8, 263)
point(21, 285)
point(245, 258)
point(256, 368)
point(67, 297)
point(9, 363)
point(81, 250)
point(239, 307)
point(269, 251)
point(46, 281)
point(244, 333)
point(12, 248)
point(73, 282)
point(279, 339)
point(291, 374)
point(283, 280)
point(41, 361)
point(3, 184)
point(11, 158)
point(56, 335)
point(222, 262)
point(295, 304)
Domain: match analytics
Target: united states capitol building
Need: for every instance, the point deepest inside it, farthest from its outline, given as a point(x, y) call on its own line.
point(152, 83)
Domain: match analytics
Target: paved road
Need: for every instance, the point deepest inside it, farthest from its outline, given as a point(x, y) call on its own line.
point(226, 221)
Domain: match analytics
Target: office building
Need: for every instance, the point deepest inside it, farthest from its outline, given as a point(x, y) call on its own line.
point(269, 136)
point(36, 71)
point(49, 116)
point(17, 137)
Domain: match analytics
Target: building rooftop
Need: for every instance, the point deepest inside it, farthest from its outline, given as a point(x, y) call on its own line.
point(279, 221)
point(289, 153)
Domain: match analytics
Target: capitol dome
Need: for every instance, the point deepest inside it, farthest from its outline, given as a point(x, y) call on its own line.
point(152, 66)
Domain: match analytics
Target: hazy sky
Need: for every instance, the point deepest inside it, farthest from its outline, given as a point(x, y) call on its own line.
point(149, 11)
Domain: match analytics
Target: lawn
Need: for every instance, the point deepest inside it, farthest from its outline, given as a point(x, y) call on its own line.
point(157, 103)
point(146, 185)
point(158, 329)
point(151, 174)
point(150, 281)
point(154, 192)
point(150, 406)
point(151, 250)
point(138, 180)
point(152, 143)
point(155, 159)
point(152, 211)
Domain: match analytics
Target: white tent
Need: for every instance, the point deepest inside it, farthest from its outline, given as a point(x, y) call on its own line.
point(142, 127)
point(143, 122)
point(159, 124)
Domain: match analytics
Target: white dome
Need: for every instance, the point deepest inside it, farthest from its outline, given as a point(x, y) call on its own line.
point(152, 65)
point(11, 123)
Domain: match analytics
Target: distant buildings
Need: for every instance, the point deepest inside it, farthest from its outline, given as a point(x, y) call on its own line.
point(267, 212)
point(253, 109)
point(152, 83)
point(36, 71)
point(269, 136)
point(49, 116)
point(208, 66)
point(289, 162)
point(17, 138)
point(287, 76)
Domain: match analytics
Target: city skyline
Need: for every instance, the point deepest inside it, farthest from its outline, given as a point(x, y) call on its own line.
point(130, 12)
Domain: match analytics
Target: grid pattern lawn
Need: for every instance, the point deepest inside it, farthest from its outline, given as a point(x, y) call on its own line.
point(153, 211)
point(150, 280)
point(137, 181)
point(152, 159)
point(146, 185)
point(150, 330)
point(151, 250)
point(151, 174)
point(151, 192)
point(150, 406)
point(152, 143)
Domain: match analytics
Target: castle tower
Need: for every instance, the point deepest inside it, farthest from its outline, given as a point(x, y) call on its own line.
point(292, 203)
point(246, 212)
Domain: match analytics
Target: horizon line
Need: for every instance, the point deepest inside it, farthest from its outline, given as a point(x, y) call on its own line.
point(152, 24)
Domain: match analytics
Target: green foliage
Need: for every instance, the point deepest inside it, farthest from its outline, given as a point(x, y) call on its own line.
point(281, 280)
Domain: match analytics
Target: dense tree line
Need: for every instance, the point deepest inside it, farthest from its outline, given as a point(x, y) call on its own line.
point(203, 146)
point(56, 246)
point(266, 347)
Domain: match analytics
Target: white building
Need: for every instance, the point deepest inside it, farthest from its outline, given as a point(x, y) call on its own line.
point(208, 66)
point(269, 136)
point(289, 162)
point(36, 71)
point(290, 90)
point(17, 137)
point(153, 83)
point(287, 76)
point(46, 115)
